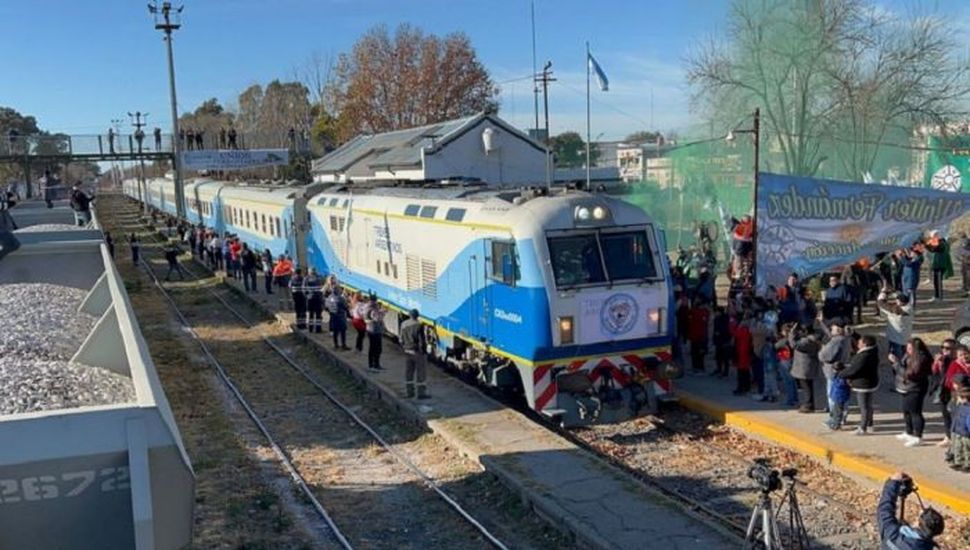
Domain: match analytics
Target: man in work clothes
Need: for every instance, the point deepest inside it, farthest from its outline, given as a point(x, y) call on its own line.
point(298, 292)
point(172, 252)
point(248, 260)
point(413, 342)
point(314, 298)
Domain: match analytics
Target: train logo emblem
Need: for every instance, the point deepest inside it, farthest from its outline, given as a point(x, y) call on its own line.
point(619, 314)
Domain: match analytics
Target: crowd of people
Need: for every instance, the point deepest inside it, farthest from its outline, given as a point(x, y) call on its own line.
point(305, 292)
point(778, 342)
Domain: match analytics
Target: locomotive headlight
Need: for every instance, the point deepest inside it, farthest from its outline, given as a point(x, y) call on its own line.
point(566, 330)
point(658, 318)
point(600, 213)
point(583, 214)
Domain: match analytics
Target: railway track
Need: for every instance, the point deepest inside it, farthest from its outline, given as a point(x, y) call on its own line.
point(286, 417)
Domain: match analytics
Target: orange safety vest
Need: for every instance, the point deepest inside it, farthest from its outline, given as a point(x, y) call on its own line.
point(744, 230)
point(282, 268)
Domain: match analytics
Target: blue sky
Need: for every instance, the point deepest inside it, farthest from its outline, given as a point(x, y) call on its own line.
point(75, 64)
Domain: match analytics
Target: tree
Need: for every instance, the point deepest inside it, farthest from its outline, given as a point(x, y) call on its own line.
point(569, 150)
point(411, 79)
point(21, 125)
point(826, 74)
point(643, 136)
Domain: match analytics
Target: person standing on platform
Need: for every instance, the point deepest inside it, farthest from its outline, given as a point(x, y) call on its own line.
point(157, 134)
point(135, 245)
point(837, 304)
point(743, 356)
point(912, 261)
point(358, 309)
point(899, 320)
point(374, 320)
point(414, 344)
point(190, 139)
point(723, 349)
point(912, 374)
point(697, 334)
point(862, 374)
point(314, 301)
point(338, 310)
point(282, 272)
point(805, 348)
point(247, 259)
point(938, 391)
point(172, 252)
point(790, 300)
point(298, 294)
point(941, 265)
point(959, 452)
point(110, 243)
point(834, 355)
point(267, 262)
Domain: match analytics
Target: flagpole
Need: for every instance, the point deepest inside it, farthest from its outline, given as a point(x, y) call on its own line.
point(588, 131)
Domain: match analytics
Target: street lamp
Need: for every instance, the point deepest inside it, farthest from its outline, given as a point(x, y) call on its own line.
point(755, 130)
point(138, 120)
point(168, 20)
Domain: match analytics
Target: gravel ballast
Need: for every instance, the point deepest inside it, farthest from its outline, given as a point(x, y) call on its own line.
point(48, 227)
point(40, 330)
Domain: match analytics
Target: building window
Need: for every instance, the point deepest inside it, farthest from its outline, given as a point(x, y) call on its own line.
point(455, 214)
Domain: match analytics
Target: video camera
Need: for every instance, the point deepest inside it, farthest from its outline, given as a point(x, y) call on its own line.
point(768, 478)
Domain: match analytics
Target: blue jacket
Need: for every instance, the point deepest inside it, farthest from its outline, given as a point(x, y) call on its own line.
point(894, 534)
point(961, 420)
point(911, 268)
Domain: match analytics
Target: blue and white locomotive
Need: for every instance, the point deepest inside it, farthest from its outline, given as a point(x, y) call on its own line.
point(563, 295)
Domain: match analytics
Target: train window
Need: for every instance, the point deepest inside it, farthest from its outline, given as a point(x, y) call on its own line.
point(378, 267)
point(247, 220)
point(279, 231)
point(333, 202)
point(345, 204)
point(394, 270)
point(412, 209)
point(263, 216)
point(576, 260)
point(628, 255)
point(341, 221)
point(505, 266)
point(387, 268)
point(455, 214)
point(333, 223)
point(272, 231)
point(428, 211)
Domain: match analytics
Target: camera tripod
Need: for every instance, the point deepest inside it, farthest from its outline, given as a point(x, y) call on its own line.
point(763, 530)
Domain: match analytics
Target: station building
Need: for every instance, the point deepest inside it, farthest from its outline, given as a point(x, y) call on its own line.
point(479, 147)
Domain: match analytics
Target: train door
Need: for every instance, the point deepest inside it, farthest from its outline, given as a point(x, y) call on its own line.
point(480, 302)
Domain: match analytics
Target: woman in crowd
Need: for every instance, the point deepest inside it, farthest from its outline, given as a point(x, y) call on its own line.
point(912, 373)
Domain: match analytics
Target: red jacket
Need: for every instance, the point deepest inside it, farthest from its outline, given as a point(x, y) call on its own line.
point(742, 347)
point(956, 367)
point(697, 324)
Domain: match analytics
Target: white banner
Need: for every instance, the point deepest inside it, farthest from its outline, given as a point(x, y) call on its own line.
point(233, 159)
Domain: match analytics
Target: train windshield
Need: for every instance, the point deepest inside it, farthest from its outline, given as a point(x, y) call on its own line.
point(601, 257)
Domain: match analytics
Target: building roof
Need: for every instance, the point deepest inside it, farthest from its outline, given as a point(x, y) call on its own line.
point(402, 149)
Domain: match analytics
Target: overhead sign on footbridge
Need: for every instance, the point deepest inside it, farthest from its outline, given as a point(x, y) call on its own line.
point(224, 159)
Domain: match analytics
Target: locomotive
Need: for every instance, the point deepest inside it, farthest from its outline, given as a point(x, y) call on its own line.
point(562, 295)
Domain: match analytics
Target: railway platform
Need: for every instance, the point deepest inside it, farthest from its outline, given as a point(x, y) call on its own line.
point(873, 457)
point(574, 490)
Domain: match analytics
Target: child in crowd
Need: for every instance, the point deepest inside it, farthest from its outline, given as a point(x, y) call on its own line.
point(839, 395)
point(959, 455)
point(784, 355)
point(770, 359)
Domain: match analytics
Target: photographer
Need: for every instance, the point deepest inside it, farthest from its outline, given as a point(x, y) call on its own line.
point(893, 532)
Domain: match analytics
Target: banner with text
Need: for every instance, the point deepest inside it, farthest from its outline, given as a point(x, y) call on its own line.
point(232, 159)
point(808, 225)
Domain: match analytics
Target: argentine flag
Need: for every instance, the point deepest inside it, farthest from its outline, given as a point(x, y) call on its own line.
point(600, 75)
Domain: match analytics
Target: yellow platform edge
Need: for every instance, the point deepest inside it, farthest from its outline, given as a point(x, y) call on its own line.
point(956, 500)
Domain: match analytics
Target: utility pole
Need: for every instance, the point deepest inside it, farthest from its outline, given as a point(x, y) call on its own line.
point(137, 122)
point(165, 22)
point(535, 86)
point(545, 77)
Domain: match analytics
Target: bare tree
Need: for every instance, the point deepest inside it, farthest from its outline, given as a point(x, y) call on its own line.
point(825, 72)
point(411, 79)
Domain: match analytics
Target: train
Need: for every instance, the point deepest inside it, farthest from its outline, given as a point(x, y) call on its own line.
point(560, 295)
